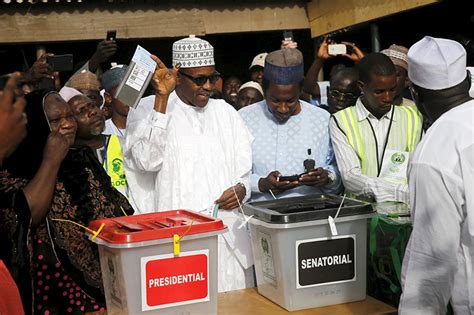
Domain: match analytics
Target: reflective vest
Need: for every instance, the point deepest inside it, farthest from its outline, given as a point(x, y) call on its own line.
point(405, 133)
point(113, 164)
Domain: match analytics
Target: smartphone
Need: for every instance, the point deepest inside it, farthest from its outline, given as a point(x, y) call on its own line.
point(291, 178)
point(288, 35)
point(349, 49)
point(111, 35)
point(61, 63)
point(337, 49)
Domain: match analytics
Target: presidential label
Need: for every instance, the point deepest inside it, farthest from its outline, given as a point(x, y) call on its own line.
point(168, 281)
point(324, 261)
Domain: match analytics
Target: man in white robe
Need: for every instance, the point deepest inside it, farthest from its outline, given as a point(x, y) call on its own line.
point(438, 263)
point(200, 150)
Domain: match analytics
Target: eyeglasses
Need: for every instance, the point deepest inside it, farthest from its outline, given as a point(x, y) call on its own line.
point(339, 94)
point(200, 81)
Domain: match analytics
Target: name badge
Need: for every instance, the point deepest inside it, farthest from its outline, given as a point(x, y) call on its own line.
point(394, 166)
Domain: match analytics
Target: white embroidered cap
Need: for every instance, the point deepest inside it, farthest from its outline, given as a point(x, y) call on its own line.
point(436, 63)
point(193, 52)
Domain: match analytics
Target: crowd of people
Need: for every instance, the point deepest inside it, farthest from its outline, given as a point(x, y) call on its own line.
point(396, 126)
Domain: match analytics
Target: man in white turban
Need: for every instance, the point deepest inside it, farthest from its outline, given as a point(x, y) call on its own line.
point(438, 263)
point(199, 149)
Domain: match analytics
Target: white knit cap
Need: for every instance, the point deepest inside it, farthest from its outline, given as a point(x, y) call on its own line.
point(67, 93)
point(251, 84)
point(259, 60)
point(193, 52)
point(436, 63)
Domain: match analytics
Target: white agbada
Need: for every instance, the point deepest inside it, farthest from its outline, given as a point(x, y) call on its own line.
point(439, 259)
point(197, 153)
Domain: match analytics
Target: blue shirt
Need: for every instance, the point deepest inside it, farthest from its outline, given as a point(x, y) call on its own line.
point(284, 147)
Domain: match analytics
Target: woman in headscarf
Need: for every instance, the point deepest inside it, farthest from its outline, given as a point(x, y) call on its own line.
point(45, 186)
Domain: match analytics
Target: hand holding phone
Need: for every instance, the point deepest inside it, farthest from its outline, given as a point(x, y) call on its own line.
point(272, 183)
point(288, 41)
point(318, 177)
point(353, 52)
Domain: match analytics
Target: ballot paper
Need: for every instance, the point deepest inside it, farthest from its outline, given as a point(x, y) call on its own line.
point(138, 76)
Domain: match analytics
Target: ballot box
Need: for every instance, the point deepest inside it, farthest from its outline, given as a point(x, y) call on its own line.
point(159, 263)
point(300, 261)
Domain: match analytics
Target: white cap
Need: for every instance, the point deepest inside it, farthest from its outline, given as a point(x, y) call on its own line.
point(67, 93)
point(259, 60)
point(251, 84)
point(193, 52)
point(436, 63)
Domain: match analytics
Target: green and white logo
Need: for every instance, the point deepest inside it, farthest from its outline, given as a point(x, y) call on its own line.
point(398, 158)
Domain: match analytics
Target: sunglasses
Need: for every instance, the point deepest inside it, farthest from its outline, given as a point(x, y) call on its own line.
point(339, 94)
point(200, 81)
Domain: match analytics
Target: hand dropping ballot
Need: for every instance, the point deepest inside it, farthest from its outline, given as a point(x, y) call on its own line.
point(137, 78)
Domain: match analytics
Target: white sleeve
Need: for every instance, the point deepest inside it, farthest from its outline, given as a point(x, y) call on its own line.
point(351, 172)
point(243, 154)
point(431, 257)
point(145, 141)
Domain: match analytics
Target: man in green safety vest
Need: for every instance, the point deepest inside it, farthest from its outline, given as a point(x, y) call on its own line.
point(373, 139)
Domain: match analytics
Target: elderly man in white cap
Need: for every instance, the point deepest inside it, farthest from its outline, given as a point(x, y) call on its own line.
point(199, 149)
point(288, 134)
point(438, 263)
point(250, 92)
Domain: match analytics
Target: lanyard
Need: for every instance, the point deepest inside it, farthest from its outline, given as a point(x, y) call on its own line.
point(106, 140)
point(379, 163)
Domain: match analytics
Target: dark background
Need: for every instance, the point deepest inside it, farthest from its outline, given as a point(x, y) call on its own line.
point(234, 52)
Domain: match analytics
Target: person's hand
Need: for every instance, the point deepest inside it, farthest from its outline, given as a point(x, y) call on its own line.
point(105, 49)
point(265, 184)
point(39, 70)
point(12, 118)
point(163, 81)
point(230, 199)
point(57, 146)
point(288, 44)
point(317, 177)
point(323, 49)
point(356, 54)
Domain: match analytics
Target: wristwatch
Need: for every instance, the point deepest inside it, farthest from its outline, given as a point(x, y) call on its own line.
point(331, 177)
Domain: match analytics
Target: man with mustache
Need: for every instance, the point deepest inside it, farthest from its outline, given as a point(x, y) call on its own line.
point(199, 149)
point(287, 131)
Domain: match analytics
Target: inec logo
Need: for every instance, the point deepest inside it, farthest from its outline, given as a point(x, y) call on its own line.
point(398, 158)
point(117, 167)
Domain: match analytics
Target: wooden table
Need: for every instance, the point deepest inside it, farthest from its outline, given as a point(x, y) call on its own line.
point(249, 302)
